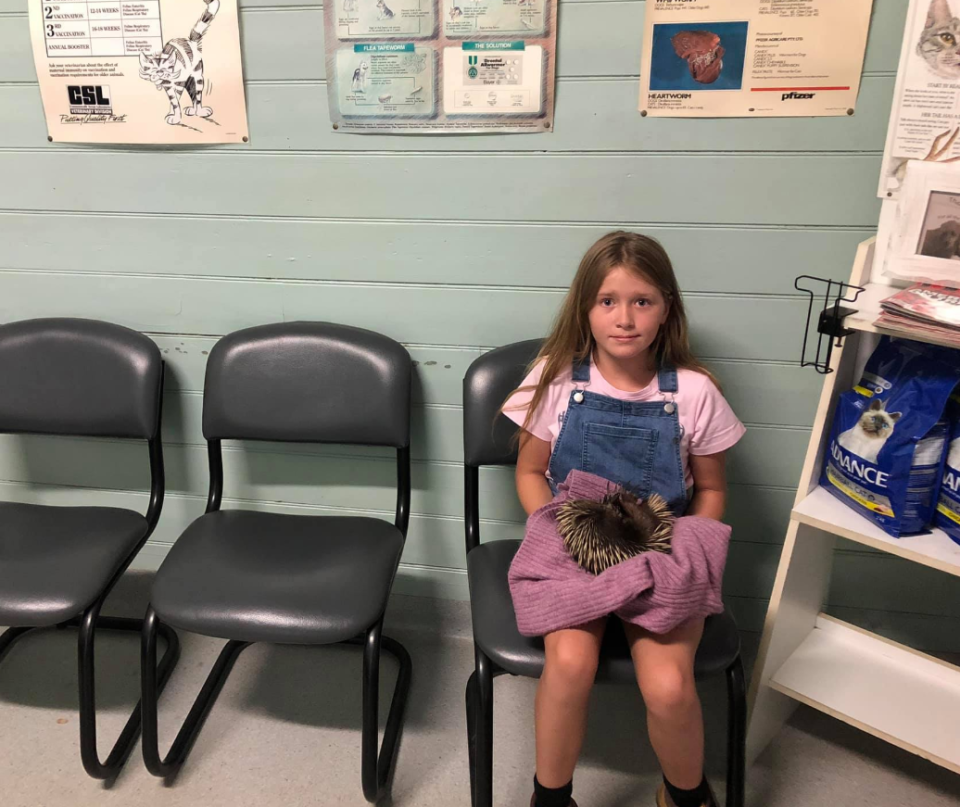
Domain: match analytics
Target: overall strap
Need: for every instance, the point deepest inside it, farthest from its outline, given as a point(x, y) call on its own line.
point(581, 370)
point(667, 378)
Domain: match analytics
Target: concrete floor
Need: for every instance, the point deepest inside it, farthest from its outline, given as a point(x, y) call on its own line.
point(286, 731)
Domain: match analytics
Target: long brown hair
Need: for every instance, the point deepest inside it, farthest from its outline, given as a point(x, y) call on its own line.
point(571, 338)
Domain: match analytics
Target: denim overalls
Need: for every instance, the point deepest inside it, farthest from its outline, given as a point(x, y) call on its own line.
point(635, 444)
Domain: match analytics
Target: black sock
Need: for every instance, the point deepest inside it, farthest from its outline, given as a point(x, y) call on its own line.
point(553, 796)
point(697, 797)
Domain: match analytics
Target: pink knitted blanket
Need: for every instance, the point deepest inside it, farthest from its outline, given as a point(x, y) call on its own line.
point(653, 590)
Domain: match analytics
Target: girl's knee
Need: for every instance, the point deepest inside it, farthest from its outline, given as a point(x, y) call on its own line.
point(571, 664)
point(668, 689)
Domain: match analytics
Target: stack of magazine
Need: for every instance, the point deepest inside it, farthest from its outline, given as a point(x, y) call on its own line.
point(923, 311)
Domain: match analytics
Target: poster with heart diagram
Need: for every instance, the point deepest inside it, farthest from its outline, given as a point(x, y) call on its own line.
point(752, 58)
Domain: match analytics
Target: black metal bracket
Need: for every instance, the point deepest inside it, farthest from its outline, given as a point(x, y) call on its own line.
point(830, 328)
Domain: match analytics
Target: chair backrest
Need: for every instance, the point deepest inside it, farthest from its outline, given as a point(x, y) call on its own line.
point(79, 377)
point(487, 435)
point(308, 382)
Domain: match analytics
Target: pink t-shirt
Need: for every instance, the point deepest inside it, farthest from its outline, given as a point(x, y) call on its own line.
point(708, 423)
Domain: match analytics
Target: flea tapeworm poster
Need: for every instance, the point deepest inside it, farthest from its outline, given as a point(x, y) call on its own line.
point(752, 58)
point(442, 66)
point(139, 71)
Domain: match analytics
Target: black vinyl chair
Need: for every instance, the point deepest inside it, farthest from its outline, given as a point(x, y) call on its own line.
point(58, 564)
point(499, 647)
point(250, 576)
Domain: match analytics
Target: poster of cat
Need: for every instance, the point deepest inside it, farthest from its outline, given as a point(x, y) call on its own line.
point(140, 71)
point(925, 118)
point(752, 58)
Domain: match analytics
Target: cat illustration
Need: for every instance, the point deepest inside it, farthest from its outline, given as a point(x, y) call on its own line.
point(939, 44)
point(350, 6)
point(383, 11)
point(179, 67)
point(871, 432)
point(360, 77)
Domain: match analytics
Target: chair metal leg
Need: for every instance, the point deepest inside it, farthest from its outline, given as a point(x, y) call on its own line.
point(472, 694)
point(736, 734)
point(86, 669)
point(484, 743)
point(88, 625)
point(375, 770)
point(9, 637)
point(171, 764)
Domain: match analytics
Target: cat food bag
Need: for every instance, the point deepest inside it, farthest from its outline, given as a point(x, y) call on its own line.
point(948, 506)
point(886, 450)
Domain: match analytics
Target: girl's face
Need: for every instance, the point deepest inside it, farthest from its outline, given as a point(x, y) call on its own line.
point(626, 315)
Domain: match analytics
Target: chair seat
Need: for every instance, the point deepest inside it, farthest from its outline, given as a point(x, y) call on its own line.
point(267, 577)
point(495, 626)
point(56, 561)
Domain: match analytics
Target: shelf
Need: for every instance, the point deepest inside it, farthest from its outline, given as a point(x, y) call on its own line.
point(890, 691)
point(868, 309)
point(821, 510)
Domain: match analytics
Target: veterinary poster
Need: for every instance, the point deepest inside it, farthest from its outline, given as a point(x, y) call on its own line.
point(140, 71)
point(752, 58)
point(440, 66)
point(925, 118)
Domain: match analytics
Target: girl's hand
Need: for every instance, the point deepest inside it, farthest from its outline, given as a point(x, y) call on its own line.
point(532, 461)
point(709, 485)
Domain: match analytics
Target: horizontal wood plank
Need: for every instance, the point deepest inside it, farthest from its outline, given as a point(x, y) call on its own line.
point(727, 326)
point(728, 189)
point(767, 453)
point(591, 115)
point(720, 259)
point(771, 394)
point(262, 472)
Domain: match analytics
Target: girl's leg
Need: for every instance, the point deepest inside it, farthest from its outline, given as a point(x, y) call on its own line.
point(664, 667)
point(562, 697)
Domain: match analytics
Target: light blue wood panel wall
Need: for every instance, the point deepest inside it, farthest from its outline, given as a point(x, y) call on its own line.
point(451, 245)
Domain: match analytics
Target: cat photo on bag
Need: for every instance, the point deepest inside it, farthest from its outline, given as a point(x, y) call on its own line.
point(888, 441)
point(871, 432)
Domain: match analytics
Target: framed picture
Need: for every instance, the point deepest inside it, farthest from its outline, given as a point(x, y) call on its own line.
point(926, 236)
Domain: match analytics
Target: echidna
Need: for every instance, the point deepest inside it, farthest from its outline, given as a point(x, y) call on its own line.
point(599, 535)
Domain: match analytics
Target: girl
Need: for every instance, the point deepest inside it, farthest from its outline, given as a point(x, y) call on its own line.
point(621, 339)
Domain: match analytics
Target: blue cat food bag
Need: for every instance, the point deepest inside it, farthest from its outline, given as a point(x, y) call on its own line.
point(948, 506)
point(886, 450)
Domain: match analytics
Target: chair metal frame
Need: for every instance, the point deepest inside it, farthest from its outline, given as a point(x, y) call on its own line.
point(479, 692)
point(90, 620)
point(375, 768)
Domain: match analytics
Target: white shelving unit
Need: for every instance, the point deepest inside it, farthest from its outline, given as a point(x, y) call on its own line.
point(822, 510)
point(886, 689)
